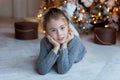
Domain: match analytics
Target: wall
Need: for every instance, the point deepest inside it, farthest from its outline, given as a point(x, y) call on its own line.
point(33, 7)
point(19, 8)
point(6, 8)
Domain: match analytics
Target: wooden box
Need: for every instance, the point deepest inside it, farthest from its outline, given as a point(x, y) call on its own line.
point(26, 30)
point(105, 36)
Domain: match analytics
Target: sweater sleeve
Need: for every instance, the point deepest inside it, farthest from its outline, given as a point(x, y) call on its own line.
point(70, 55)
point(46, 58)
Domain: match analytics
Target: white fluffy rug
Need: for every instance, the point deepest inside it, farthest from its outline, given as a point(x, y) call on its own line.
point(18, 58)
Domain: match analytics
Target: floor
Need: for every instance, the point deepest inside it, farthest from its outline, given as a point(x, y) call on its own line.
point(18, 58)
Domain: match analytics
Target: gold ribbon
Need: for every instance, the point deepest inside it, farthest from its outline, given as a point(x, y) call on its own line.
point(105, 43)
point(24, 30)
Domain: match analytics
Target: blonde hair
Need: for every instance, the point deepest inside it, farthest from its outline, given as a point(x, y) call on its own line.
point(53, 13)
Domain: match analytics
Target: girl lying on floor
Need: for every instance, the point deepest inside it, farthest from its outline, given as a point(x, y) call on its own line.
point(60, 47)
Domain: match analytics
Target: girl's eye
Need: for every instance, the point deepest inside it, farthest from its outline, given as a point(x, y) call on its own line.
point(53, 30)
point(62, 28)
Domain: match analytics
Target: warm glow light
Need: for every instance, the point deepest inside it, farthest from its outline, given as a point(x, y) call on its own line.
point(79, 19)
point(65, 2)
point(39, 15)
point(95, 22)
point(106, 26)
point(78, 8)
point(87, 21)
point(92, 15)
point(93, 19)
point(108, 9)
point(76, 21)
point(99, 14)
point(44, 31)
point(75, 17)
point(117, 9)
point(84, 27)
point(83, 11)
point(108, 16)
point(102, 1)
point(44, 8)
point(100, 6)
point(110, 13)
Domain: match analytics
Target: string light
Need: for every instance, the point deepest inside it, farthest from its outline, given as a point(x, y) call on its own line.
point(87, 21)
point(39, 16)
point(44, 31)
point(44, 8)
point(84, 27)
point(65, 2)
point(108, 9)
point(83, 11)
point(79, 9)
point(97, 13)
point(117, 9)
point(108, 17)
point(92, 15)
point(75, 17)
point(106, 26)
point(95, 22)
point(79, 19)
point(93, 19)
point(100, 6)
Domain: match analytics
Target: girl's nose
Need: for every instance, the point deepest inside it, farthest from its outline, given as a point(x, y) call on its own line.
point(59, 32)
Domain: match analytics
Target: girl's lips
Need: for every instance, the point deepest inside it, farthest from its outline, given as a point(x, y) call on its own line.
point(60, 39)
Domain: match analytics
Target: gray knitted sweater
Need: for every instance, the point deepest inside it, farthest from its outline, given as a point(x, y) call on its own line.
point(64, 59)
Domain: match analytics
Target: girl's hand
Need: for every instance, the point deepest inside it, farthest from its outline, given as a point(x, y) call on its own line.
point(69, 38)
point(54, 43)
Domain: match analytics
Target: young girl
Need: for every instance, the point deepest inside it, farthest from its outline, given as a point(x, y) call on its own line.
point(60, 46)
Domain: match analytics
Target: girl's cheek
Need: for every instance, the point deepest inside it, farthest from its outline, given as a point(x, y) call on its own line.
point(52, 35)
point(68, 31)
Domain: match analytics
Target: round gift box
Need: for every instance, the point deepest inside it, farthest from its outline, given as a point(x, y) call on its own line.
point(105, 36)
point(26, 30)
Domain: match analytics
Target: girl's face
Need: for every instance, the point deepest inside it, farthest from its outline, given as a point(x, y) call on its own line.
point(58, 30)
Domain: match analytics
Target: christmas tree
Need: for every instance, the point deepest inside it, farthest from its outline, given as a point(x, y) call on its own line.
point(85, 14)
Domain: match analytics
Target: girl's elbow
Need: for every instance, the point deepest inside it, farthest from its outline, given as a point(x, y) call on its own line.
point(63, 71)
point(42, 72)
